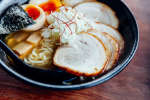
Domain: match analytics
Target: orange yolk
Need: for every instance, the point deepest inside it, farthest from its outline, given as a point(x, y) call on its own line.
point(50, 6)
point(33, 12)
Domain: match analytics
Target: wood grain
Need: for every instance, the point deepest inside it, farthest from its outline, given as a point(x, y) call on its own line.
point(131, 84)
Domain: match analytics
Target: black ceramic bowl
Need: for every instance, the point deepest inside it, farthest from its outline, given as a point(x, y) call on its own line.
point(128, 29)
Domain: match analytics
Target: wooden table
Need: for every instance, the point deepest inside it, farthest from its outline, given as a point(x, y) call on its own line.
point(131, 84)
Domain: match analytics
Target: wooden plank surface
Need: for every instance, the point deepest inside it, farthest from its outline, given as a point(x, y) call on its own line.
point(131, 84)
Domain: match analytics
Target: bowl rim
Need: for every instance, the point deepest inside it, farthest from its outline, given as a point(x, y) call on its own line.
point(95, 82)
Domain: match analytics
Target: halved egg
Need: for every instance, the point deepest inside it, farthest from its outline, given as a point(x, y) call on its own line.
point(47, 5)
point(37, 14)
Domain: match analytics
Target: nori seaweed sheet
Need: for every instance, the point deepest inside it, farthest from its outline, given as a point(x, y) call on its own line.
point(14, 20)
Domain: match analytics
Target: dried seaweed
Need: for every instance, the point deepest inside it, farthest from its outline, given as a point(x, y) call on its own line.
point(14, 20)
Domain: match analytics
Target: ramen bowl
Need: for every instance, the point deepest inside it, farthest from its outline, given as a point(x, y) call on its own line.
point(64, 81)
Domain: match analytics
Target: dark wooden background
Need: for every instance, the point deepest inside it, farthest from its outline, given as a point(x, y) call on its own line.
point(131, 84)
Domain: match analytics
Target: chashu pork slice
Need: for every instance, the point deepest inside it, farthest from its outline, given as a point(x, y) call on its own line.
point(112, 46)
point(86, 56)
point(112, 32)
point(73, 3)
point(98, 12)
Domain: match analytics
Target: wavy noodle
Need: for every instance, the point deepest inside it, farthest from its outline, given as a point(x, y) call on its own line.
point(42, 55)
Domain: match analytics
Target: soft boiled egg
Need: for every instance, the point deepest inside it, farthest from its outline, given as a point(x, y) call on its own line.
point(37, 14)
point(47, 5)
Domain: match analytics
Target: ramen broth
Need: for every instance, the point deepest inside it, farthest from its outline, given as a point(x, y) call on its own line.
point(68, 38)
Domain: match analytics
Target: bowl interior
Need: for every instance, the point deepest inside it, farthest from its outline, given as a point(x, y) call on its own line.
point(128, 29)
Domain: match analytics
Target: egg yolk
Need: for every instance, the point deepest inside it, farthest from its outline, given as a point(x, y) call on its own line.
point(33, 12)
point(50, 6)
